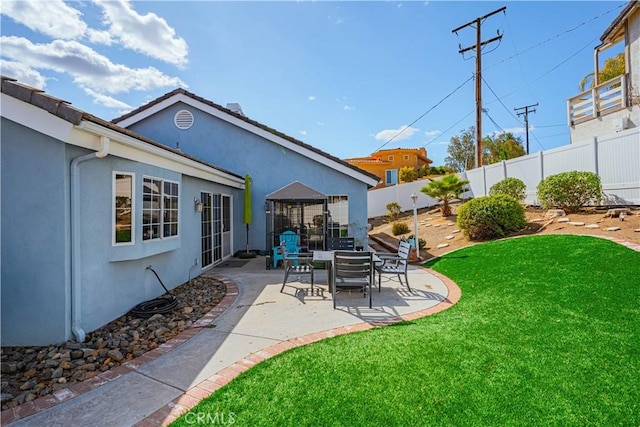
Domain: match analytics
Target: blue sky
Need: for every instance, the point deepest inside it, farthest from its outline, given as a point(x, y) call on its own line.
point(344, 77)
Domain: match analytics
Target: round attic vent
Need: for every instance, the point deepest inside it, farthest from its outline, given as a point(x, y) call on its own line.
point(183, 119)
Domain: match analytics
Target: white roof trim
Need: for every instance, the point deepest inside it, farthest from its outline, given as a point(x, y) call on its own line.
point(180, 97)
point(86, 135)
point(151, 154)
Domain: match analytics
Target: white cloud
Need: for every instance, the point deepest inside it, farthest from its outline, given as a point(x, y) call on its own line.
point(23, 74)
point(348, 108)
point(53, 18)
point(303, 132)
point(321, 123)
point(404, 132)
point(148, 34)
point(312, 98)
point(432, 133)
point(107, 101)
point(88, 68)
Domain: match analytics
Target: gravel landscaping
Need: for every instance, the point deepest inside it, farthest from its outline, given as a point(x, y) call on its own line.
point(32, 372)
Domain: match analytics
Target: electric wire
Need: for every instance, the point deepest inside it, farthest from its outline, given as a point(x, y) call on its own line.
point(558, 35)
point(425, 113)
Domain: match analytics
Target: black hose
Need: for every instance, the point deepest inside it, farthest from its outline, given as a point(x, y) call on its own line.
point(160, 305)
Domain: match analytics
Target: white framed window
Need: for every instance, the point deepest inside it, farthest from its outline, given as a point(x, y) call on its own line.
point(406, 157)
point(123, 203)
point(338, 221)
point(391, 176)
point(159, 208)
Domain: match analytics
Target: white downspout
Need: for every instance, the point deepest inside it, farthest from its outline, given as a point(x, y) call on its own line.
point(76, 295)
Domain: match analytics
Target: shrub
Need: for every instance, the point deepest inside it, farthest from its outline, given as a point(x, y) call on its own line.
point(407, 174)
point(399, 228)
point(393, 210)
point(491, 217)
point(570, 190)
point(513, 187)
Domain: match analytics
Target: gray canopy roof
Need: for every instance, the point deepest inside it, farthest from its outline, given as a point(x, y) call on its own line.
point(296, 191)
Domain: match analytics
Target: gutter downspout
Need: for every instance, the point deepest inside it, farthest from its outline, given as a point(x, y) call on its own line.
point(76, 295)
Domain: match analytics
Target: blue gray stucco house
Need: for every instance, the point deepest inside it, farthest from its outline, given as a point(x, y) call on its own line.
point(224, 136)
point(88, 205)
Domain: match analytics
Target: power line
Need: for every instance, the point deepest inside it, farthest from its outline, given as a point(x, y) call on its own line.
point(449, 128)
point(558, 35)
point(425, 113)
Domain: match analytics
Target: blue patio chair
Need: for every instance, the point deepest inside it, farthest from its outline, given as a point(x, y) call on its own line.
point(289, 239)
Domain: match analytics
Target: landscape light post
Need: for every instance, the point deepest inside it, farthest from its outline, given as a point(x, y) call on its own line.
point(414, 199)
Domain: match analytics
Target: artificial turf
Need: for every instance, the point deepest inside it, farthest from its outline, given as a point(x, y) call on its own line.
point(547, 332)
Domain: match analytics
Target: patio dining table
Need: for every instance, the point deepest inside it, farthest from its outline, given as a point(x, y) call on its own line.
point(326, 257)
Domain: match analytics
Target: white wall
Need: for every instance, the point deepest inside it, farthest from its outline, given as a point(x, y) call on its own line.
point(614, 157)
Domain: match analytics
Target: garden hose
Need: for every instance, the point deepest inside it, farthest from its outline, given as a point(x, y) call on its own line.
point(161, 305)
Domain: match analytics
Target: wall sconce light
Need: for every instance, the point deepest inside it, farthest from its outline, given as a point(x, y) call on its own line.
point(198, 204)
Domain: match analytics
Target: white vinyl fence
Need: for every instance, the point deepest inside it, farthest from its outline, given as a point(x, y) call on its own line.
point(615, 158)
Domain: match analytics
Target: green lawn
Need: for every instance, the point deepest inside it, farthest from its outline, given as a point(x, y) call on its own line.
point(547, 332)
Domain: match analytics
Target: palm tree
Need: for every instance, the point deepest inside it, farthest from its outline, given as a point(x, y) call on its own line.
point(445, 189)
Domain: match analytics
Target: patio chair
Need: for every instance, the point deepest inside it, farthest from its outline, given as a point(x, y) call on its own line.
point(352, 270)
point(288, 243)
point(299, 264)
point(340, 243)
point(394, 264)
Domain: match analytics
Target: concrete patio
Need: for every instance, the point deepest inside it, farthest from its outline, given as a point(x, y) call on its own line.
point(255, 321)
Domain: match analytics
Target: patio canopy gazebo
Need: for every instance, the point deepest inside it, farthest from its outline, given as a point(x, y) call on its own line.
point(301, 209)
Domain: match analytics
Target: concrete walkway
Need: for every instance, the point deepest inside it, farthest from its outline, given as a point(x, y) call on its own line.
point(253, 322)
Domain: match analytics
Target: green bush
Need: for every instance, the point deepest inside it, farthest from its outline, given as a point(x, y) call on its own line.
point(513, 187)
point(393, 210)
point(570, 190)
point(491, 217)
point(399, 228)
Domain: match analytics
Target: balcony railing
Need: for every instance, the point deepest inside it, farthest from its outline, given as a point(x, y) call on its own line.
point(605, 98)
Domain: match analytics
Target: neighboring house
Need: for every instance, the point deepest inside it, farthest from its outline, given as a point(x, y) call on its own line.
point(614, 105)
point(386, 164)
point(226, 137)
point(87, 206)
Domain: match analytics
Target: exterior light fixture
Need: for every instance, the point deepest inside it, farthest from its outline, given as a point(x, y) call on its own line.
point(198, 204)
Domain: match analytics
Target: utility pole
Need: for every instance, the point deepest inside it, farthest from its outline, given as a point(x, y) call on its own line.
point(526, 118)
point(477, 47)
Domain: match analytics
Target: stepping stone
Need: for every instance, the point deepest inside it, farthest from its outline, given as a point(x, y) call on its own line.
point(592, 226)
point(450, 224)
point(449, 237)
point(456, 231)
point(637, 230)
point(437, 225)
point(565, 219)
point(537, 220)
point(428, 219)
point(442, 245)
point(552, 213)
point(612, 228)
point(576, 223)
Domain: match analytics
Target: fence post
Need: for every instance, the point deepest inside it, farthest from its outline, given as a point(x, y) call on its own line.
point(595, 155)
point(504, 169)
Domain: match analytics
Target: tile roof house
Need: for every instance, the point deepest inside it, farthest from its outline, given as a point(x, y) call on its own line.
point(88, 205)
point(386, 164)
point(226, 137)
